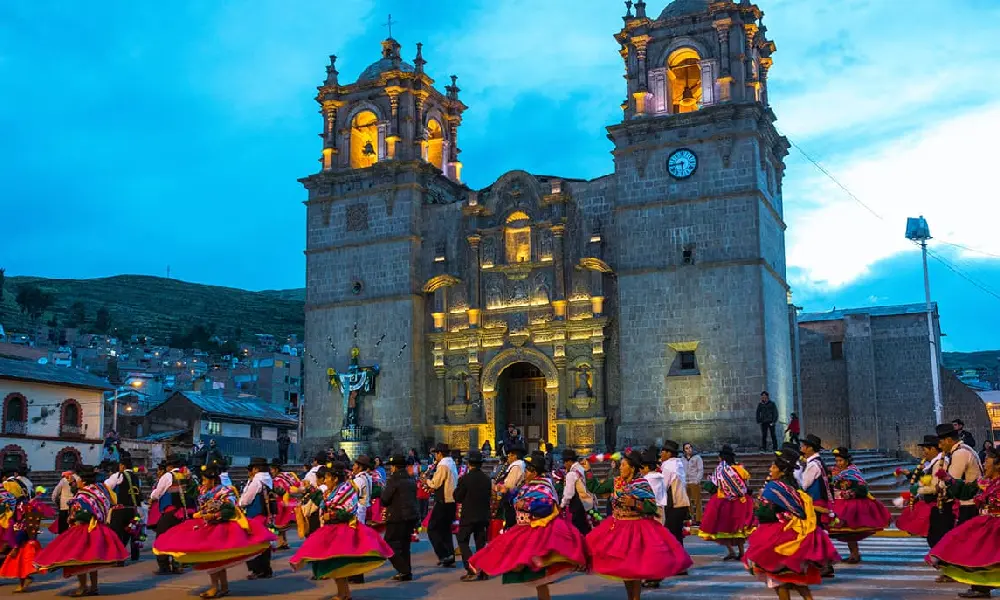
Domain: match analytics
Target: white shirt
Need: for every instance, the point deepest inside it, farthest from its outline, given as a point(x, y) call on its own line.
point(166, 480)
point(811, 472)
point(256, 485)
point(446, 476)
point(27, 483)
point(674, 479)
point(363, 481)
point(311, 476)
point(659, 487)
point(574, 476)
point(515, 475)
point(115, 480)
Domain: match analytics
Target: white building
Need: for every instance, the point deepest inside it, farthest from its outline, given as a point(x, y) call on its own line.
point(53, 416)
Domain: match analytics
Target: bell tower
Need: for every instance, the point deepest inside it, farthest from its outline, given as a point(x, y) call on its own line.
point(699, 221)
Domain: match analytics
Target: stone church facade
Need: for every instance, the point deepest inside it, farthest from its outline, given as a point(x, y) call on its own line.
point(649, 303)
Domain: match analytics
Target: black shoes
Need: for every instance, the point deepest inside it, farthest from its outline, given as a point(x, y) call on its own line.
point(402, 577)
point(448, 563)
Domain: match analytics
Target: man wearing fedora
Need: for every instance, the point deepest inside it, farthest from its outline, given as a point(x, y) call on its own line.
point(963, 434)
point(399, 497)
point(675, 482)
point(513, 477)
point(173, 496)
point(963, 463)
point(258, 503)
point(576, 499)
point(815, 481)
point(473, 492)
point(443, 514)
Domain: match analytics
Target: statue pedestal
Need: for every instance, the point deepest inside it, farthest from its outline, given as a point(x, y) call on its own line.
point(356, 449)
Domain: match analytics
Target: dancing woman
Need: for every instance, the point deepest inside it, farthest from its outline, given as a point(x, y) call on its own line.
point(920, 499)
point(343, 547)
point(970, 552)
point(540, 548)
point(286, 503)
point(728, 518)
point(636, 524)
point(788, 550)
point(88, 545)
point(859, 515)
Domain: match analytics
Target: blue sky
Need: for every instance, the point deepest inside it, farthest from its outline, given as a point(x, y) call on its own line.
point(134, 137)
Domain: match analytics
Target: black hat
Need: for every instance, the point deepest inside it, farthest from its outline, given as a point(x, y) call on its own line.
point(175, 460)
point(321, 458)
point(930, 441)
point(958, 422)
point(946, 430)
point(276, 464)
point(456, 455)
point(569, 455)
point(535, 462)
point(842, 452)
point(87, 473)
point(363, 461)
point(813, 441)
point(634, 458)
point(397, 460)
point(786, 459)
point(258, 462)
point(650, 457)
point(442, 448)
point(727, 452)
point(475, 457)
point(671, 446)
point(210, 471)
point(517, 449)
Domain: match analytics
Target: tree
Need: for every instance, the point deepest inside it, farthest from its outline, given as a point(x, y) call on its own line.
point(102, 323)
point(77, 314)
point(33, 301)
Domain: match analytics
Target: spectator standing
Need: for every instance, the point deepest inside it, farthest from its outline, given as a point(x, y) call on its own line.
point(987, 446)
point(283, 444)
point(767, 416)
point(794, 429)
point(964, 436)
point(694, 470)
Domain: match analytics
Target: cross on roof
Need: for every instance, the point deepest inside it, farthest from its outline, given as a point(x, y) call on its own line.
point(388, 24)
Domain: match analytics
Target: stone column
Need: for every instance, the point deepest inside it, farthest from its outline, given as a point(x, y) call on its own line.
point(474, 265)
point(642, 90)
point(765, 65)
point(558, 232)
point(559, 358)
point(392, 136)
point(330, 132)
point(749, 79)
point(420, 138)
point(725, 77)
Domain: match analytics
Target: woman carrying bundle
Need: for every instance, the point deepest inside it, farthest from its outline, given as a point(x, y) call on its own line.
point(728, 518)
point(859, 515)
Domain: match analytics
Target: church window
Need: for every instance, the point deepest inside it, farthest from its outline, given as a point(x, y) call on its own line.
point(687, 361)
point(364, 140)
point(836, 350)
point(687, 255)
point(517, 238)
point(684, 86)
point(435, 144)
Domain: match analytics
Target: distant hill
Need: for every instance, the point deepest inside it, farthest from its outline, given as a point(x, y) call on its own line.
point(988, 359)
point(159, 307)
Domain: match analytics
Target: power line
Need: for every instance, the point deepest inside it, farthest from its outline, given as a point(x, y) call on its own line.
point(961, 274)
point(976, 250)
point(816, 164)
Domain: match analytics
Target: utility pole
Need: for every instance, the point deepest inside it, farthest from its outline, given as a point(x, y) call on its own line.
point(918, 231)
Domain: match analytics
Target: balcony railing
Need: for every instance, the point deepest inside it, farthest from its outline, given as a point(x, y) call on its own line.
point(15, 427)
point(70, 431)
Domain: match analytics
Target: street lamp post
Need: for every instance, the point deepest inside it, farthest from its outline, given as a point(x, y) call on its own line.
point(918, 231)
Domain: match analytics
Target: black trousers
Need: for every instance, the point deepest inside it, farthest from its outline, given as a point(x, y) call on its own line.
point(965, 513)
point(260, 565)
point(439, 530)
point(63, 520)
point(942, 521)
point(578, 515)
point(674, 522)
point(282, 455)
point(120, 520)
point(167, 522)
point(397, 535)
point(510, 515)
point(764, 429)
point(476, 531)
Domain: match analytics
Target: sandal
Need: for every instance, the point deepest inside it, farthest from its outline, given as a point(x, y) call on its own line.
point(79, 593)
point(212, 593)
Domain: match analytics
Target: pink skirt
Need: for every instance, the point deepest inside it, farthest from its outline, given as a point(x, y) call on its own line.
point(533, 555)
point(77, 551)
point(375, 516)
point(20, 563)
point(727, 519)
point(342, 550)
point(970, 553)
point(213, 546)
point(858, 519)
point(916, 519)
point(284, 518)
point(815, 553)
point(154, 516)
point(613, 547)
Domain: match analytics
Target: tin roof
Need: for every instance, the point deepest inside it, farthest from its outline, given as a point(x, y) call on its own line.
point(872, 311)
point(248, 408)
point(26, 370)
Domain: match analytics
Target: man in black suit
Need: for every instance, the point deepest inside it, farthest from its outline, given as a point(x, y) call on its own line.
point(474, 492)
point(399, 497)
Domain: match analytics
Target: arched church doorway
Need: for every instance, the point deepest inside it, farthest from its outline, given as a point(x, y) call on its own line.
point(521, 402)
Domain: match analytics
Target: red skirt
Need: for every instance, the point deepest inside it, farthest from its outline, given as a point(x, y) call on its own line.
point(79, 550)
point(916, 519)
point(154, 516)
point(614, 543)
point(342, 550)
point(284, 517)
point(815, 553)
point(20, 563)
point(858, 519)
point(727, 519)
point(533, 555)
point(375, 516)
point(970, 553)
point(213, 546)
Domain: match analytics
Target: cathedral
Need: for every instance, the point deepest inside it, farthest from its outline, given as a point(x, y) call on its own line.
point(647, 304)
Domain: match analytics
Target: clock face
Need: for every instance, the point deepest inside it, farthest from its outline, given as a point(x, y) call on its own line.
point(682, 163)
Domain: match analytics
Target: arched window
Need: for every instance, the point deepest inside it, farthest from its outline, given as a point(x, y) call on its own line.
point(364, 140)
point(68, 458)
point(69, 418)
point(684, 69)
point(15, 414)
point(517, 238)
point(435, 144)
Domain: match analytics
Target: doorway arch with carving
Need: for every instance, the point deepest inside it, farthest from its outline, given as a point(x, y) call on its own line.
point(500, 363)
